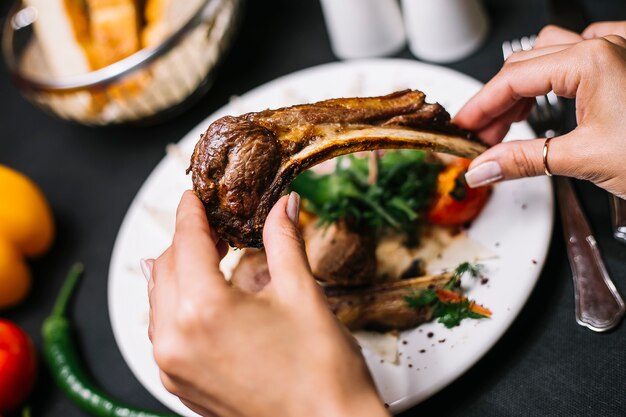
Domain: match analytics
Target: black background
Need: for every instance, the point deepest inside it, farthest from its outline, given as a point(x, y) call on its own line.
point(544, 365)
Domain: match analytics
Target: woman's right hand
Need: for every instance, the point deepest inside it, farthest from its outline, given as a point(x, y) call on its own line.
point(586, 67)
point(277, 352)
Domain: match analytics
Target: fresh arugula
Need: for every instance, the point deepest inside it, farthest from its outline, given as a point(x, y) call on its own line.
point(451, 310)
point(475, 270)
point(406, 183)
point(451, 314)
point(421, 299)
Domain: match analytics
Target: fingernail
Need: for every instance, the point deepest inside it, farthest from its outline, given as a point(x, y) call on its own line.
point(483, 174)
point(146, 267)
point(293, 207)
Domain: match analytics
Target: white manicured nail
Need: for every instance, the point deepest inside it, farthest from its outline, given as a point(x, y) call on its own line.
point(146, 267)
point(293, 207)
point(483, 174)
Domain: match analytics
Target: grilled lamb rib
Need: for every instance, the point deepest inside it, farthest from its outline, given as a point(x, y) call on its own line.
point(383, 306)
point(241, 165)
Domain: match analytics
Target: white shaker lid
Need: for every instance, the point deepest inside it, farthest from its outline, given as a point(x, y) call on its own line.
point(364, 28)
point(444, 30)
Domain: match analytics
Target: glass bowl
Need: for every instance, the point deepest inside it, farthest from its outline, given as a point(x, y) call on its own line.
point(145, 87)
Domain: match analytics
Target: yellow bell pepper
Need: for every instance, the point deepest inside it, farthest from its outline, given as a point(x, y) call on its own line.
point(26, 230)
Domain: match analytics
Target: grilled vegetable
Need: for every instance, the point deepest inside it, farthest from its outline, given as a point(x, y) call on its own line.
point(456, 203)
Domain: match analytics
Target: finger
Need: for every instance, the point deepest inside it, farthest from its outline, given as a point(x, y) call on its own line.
point(163, 309)
point(494, 132)
point(555, 35)
point(536, 52)
point(601, 29)
point(166, 263)
point(198, 399)
point(499, 127)
point(524, 158)
point(616, 39)
point(196, 408)
point(286, 258)
point(162, 294)
point(197, 257)
point(150, 325)
point(529, 78)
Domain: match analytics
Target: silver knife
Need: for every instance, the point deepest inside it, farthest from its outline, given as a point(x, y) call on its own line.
point(599, 305)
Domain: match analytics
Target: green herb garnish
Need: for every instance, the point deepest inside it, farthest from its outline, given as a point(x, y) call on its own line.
point(421, 299)
point(451, 314)
point(406, 184)
point(475, 270)
point(451, 307)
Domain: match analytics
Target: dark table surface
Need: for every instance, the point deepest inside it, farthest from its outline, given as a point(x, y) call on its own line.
point(545, 364)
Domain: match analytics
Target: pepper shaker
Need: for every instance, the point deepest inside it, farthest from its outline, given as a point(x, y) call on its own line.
point(444, 30)
point(364, 28)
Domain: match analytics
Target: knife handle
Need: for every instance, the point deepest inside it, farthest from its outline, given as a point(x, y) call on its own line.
point(618, 218)
point(598, 304)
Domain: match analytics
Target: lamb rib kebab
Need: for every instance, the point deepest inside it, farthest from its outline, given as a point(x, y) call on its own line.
point(241, 165)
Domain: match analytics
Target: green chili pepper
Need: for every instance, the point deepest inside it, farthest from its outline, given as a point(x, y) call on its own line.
point(63, 362)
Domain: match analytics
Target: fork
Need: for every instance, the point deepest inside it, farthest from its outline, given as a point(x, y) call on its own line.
point(599, 305)
point(618, 218)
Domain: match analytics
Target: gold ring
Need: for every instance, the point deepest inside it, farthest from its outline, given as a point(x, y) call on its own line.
point(546, 167)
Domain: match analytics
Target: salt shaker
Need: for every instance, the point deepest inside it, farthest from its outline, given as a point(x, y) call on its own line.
point(444, 30)
point(364, 28)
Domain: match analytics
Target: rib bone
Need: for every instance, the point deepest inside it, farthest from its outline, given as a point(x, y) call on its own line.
point(242, 165)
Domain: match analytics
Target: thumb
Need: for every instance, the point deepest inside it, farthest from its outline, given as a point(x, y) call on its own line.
point(524, 158)
point(289, 269)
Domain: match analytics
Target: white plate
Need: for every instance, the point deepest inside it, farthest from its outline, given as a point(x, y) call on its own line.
point(516, 224)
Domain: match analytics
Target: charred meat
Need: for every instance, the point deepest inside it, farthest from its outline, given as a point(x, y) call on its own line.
point(383, 306)
point(339, 254)
point(242, 165)
point(251, 273)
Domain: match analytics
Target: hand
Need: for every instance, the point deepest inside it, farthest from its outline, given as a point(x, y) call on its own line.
point(588, 68)
point(231, 353)
point(556, 35)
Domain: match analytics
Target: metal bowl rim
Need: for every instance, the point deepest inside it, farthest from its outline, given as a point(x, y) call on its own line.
point(102, 77)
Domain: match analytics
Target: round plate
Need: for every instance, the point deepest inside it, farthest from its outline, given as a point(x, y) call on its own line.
point(516, 226)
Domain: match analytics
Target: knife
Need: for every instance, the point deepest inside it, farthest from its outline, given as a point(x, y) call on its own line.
point(599, 305)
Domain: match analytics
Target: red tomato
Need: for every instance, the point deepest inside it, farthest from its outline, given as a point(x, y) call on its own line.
point(18, 366)
point(456, 203)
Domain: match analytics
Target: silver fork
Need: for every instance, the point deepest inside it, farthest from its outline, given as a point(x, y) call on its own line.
point(618, 218)
point(599, 305)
